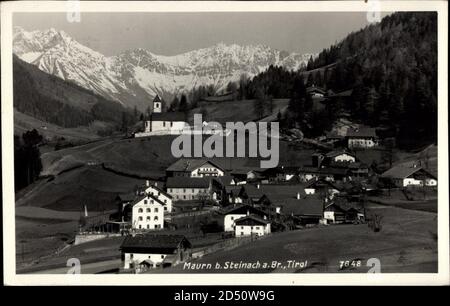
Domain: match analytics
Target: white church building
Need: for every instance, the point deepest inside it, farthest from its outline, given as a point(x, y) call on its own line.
point(162, 123)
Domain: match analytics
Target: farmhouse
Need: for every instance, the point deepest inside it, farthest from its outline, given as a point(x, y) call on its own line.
point(149, 251)
point(305, 211)
point(332, 174)
point(342, 212)
point(162, 123)
point(409, 176)
point(193, 188)
point(361, 138)
point(322, 186)
point(315, 92)
point(194, 167)
point(147, 213)
point(251, 225)
point(236, 212)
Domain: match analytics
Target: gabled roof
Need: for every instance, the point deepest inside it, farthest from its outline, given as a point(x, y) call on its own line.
point(190, 164)
point(361, 132)
point(169, 116)
point(142, 197)
point(188, 182)
point(337, 153)
point(243, 210)
point(282, 191)
point(157, 99)
point(159, 189)
point(154, 242)
point(319, 183)
point(251, 220)
point(404, 172)
point(310, 206)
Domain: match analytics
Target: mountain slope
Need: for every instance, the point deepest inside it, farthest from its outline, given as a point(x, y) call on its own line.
point(134, 77)
point(53, 100)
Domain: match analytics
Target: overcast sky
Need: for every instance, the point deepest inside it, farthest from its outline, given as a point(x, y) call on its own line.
point(175, 33)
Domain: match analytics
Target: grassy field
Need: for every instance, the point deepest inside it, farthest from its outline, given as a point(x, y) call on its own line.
point(406, 243)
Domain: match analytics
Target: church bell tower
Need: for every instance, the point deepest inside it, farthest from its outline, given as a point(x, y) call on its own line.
point(157, 105)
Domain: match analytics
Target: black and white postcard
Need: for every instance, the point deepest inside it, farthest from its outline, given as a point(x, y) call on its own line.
point(225, 143)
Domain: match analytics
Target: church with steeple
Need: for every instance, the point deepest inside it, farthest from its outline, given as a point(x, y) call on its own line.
point(161, 122)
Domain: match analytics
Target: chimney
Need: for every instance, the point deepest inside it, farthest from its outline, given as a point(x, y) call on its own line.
point(156, 184)
point(147, 183)
point(257, 186)
point(265, 217)
point(298, 195)
point(248, 212)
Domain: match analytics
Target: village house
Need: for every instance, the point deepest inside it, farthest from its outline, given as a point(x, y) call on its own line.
point(148, 251)
point(280, 174)
point(193, 188)
point(340, 211)
point(162, 123)
point(401, 176)
point(361, 138)
point(322, 187)
point(332, 174)
point(147, 213)
point(315, 92)
point(194, 167)
point(124, 208)
point(236, 212)
point(251, 225)
point(305, 211)
point(160, 194)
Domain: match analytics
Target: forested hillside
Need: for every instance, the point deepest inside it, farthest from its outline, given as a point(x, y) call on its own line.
point(51, 99)
point(390, 68)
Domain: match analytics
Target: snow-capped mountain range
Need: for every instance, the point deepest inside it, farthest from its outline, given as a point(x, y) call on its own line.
point(136, 76)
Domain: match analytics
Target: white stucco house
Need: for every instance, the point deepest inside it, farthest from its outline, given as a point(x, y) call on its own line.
point(251, 225)
point(147, 213)
point(194, 167)
point(401, 176)
point(361, 138)
point(149, 251)
point(231, 215)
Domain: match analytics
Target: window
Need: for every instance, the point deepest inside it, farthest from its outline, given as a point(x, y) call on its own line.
point(156, 209)
point(140, 218)
point(164, 124)
point(162, 256)
point(149, 210)
point(131, 256)
point(171, 123)
point(165, 201)
point(145, 201)
point(148, 226)
point(232, 218)
point(156, 218)
point(184, 190)
point(165, 208)
point(140, 226)
point(193, 190)
point(242, 227)
point(140, 210)
point(148, 218)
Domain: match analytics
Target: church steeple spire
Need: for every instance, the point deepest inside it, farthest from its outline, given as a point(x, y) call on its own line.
point(157, 105)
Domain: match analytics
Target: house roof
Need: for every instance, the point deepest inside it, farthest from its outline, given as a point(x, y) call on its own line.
point(243, 209)
point(169, 116)
point(282, 191)
point(252, 191)
point(315, 89)
point(319, 183)
point(190, 164)
point(188, 182)
point(361, 132)
point(404, 172)
point(142, 197)
point(310, 206)
point(251, 220)
point(153, 242)
point(159, 189)
point(337, 153)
